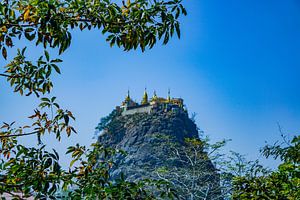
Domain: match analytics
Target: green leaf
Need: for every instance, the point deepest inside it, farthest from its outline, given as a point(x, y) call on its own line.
point(45, 99)
point(47, 55)
point(23, 51)
point(4, 53)
point(72, 162)
point(56, 154)
point(66, 118)
point(56, 68)
point(29, 37)
point(56, 61)
point(177, 26)
point(166, 39)
point(56, 105)
point(48, 163)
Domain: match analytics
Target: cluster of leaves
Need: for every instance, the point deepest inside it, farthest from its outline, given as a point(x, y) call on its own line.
point(132, 24)
point(106, 122)
point(37, 172)
point(92, 177)
point(24, 76)
point(236, 165)
point(288, 151)
point(55, 122)
point(140, 23)
point(31, 171)
point(284, 183)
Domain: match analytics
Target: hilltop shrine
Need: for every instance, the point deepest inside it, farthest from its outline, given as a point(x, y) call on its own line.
point(151, 105)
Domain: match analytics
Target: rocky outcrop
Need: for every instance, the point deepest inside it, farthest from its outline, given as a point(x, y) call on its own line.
point(147, 139)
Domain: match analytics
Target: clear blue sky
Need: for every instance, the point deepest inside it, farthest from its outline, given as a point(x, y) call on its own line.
point(237, 66)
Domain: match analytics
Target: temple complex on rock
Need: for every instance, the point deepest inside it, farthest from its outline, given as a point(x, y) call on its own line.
point(151, 105)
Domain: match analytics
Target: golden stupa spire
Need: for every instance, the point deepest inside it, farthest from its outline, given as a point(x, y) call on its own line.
point(145, 97)
point(169, 96)
point(154, 98)
point(127, 99)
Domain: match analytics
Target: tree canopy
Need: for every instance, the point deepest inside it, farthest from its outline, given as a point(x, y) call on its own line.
point(283, 183)
point(132, 24)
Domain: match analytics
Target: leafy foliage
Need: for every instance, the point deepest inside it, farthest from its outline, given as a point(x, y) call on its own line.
point(138, 23)
point(25, 76)
point(31, 171)
point(93, 181)
point(106, 122)
point(284, 183)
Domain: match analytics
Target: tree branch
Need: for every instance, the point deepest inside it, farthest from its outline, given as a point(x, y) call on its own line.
point(5, 75)
point(15, 76)
point(72, 20)
point(11, 185)
point(15, 195)
point(19, 135)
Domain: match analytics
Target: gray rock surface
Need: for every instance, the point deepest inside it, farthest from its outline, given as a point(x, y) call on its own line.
point(142, 136)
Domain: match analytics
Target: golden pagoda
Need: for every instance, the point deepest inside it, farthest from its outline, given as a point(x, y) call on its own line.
point(145, 98)
point(128, 102)
point(169, 97)
point(154, 98)
point(127, 99)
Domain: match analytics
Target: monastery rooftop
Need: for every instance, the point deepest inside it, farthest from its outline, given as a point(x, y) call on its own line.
point(154, 104)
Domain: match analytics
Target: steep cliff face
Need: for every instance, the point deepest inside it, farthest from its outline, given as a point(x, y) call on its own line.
point(151, 142)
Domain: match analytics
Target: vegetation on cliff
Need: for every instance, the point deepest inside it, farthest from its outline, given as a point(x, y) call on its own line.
point(163, 146)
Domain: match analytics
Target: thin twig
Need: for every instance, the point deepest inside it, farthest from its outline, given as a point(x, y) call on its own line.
point(5, 75)
point(11, 185)
point(19, 135)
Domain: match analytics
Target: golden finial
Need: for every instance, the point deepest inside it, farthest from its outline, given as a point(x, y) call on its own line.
point(169, 96)
point(128, 96)
point(154, 98)
point(145, 97)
